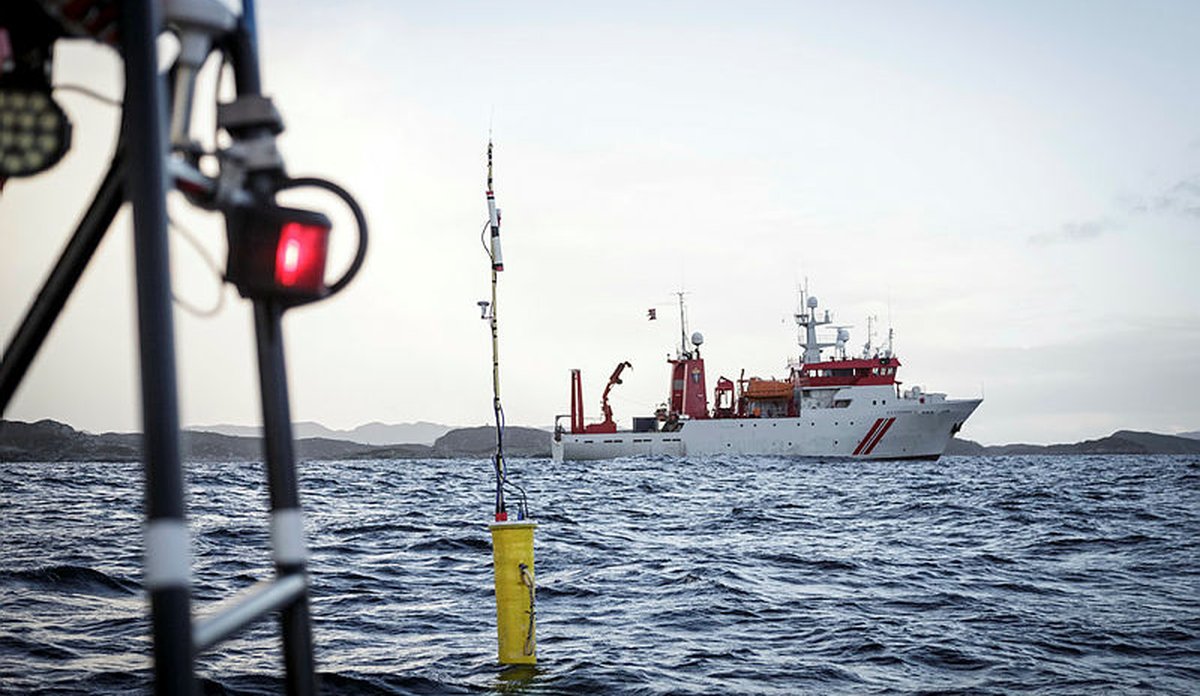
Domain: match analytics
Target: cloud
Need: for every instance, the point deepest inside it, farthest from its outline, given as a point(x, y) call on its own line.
point(1073, 232)
point(1181, 198)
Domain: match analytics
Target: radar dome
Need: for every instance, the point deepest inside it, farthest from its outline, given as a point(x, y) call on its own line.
point(812, 302)
point(843, 335)
point(697, 338)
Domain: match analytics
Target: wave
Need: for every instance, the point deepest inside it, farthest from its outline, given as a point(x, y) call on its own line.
point(71, 579)
point(747, 575)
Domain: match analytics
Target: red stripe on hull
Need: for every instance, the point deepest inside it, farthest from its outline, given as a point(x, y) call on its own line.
point(868, 436)
point(880, 435)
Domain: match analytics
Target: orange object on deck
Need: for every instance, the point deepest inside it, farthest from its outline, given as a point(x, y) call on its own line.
point(768, 389)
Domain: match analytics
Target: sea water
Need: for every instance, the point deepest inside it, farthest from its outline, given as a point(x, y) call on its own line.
point(749, 575)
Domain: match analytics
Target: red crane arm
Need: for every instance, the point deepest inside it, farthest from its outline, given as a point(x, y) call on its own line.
point(613, 380)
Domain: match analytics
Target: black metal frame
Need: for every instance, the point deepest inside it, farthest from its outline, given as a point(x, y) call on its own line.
point(138, 174)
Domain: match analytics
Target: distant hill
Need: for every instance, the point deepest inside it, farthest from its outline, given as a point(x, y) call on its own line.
point(481, 442)
point(50, 441)
point(1120, 442)
point(1191, 435)
point(419, 433)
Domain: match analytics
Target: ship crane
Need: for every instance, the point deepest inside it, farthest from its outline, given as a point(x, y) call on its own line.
point(613, 380)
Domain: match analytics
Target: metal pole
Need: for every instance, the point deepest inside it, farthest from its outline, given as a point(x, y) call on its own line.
point(63, 278)
point(244, 51)
point(497, 265)
point(287, 521)
point(167, 562)
point(501, 467)
point(242, 610)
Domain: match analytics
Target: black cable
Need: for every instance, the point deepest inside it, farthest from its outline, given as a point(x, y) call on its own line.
point(503, 480)
point(88, 92)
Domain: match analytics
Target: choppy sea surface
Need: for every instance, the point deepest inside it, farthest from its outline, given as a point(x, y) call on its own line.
point(725, 575)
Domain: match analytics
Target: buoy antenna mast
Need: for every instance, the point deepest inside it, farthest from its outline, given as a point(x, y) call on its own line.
point(488, 311)
point(512, 540)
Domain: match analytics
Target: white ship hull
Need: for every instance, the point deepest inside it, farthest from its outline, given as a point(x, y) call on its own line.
point(902, 429)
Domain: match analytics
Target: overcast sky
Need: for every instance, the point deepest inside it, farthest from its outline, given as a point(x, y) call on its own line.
point(1016, 185)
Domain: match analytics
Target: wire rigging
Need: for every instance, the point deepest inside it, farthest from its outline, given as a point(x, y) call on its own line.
point(208, 261)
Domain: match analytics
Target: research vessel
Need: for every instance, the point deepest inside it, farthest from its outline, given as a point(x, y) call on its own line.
point(829, 406)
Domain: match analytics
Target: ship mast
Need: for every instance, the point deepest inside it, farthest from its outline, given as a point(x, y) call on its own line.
point(683, 351)
point(807, 320)
point(871, 321)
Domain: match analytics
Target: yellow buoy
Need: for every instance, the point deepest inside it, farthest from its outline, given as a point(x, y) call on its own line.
point(512, 555)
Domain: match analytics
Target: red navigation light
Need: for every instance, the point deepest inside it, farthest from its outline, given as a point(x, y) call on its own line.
point(277, 252)
point(300, 256)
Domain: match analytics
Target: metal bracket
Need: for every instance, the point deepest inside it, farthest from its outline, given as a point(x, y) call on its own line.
point(249, 111)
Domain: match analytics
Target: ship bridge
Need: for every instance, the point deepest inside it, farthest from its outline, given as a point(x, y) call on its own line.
point(851, 372)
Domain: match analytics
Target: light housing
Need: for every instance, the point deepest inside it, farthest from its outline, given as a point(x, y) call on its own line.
point(277, 253)
point(34, 130)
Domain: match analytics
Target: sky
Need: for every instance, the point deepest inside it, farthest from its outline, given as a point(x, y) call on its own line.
point(1014, 188)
